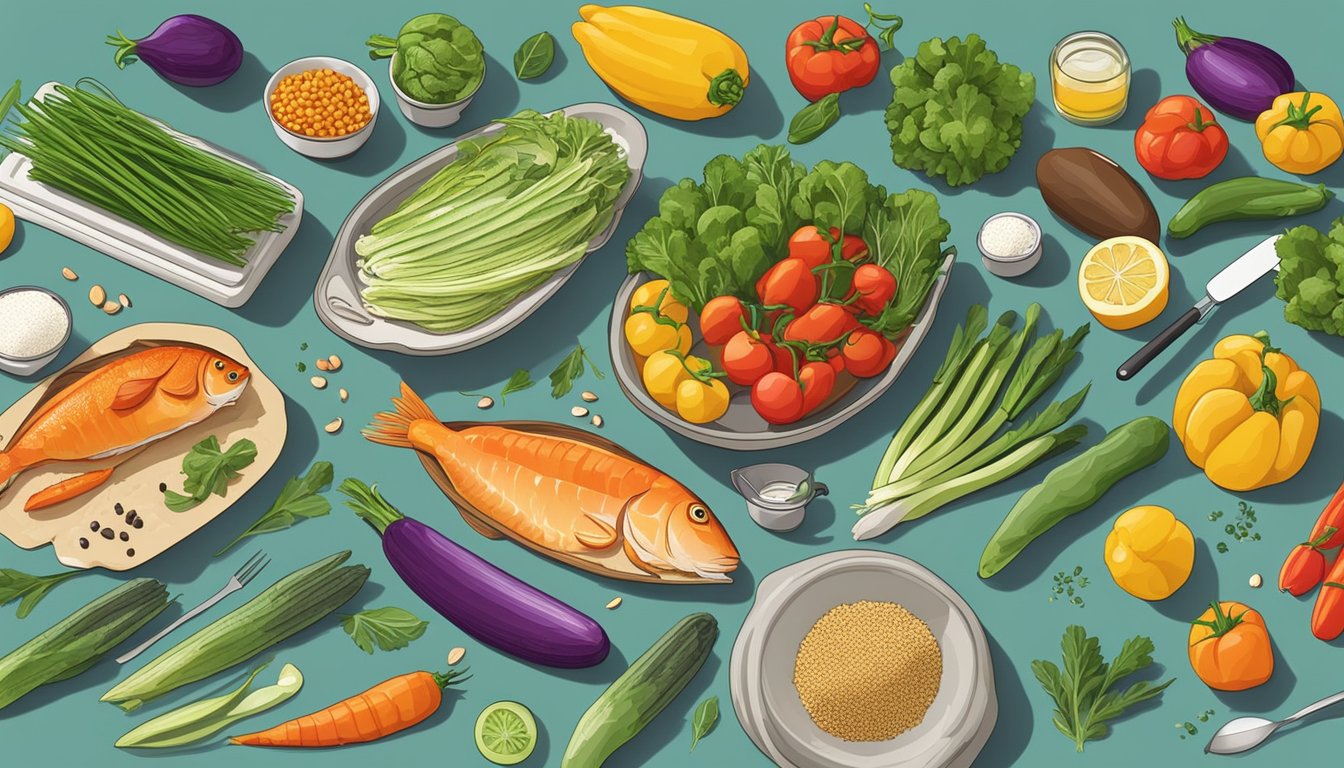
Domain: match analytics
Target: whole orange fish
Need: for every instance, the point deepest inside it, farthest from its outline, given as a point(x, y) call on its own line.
point(123, 405)
point(566, 496)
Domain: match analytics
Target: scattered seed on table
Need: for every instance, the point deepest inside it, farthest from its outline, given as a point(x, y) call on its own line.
point(69, 274)
point(455, 655)
point(334, 362)
point(124, 300)
point(345, 395)
point(97, 295)
point(614, 604)
point(597, 421)
point(111, 307)
point(485, 402)
point(578, 412)
point(318, 382)
point(589, 397)
point(322, 365)
point(334, 425)
point(1256, 580)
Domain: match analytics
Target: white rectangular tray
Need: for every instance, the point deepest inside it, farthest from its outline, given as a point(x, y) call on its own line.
point(102, 231)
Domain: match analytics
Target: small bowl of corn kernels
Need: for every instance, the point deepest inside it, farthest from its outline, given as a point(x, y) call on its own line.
point(322, 107)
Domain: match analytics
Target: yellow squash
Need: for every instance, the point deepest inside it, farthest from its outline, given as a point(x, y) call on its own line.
point(1249, 416)
point(1301, 132)
point(1150, 553)
point(666, 64)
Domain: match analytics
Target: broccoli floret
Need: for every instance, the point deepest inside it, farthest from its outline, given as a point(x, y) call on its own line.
point(1311, 271)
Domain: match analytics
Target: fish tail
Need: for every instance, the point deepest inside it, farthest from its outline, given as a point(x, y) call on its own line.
point(393, 427)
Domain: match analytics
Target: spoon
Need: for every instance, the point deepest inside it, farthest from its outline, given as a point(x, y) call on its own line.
point(1247, 733)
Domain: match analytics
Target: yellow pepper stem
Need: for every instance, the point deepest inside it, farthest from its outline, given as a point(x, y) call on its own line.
point(1264, 398)
point(726, 88)
point(1298, 116)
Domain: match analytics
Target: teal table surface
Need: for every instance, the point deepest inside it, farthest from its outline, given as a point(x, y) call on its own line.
point(65, 725)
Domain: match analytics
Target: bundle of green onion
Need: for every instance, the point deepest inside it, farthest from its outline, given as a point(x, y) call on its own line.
point(91, 146)
point(957, 440)
point(511, 211)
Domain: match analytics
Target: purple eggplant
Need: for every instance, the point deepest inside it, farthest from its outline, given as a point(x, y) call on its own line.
point(187, 49)
point(1237, 77)
point(485, 602)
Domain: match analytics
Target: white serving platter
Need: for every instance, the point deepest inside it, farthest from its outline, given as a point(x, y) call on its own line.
point(110, 234)
point(337, 301)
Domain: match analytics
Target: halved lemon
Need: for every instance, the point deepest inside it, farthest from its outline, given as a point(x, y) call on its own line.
point(1124, 282)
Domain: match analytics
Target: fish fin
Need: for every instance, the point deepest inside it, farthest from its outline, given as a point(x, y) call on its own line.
point(635, 559)
point(132, 393)
point(605, 537)
point(184, 378)
point(393, 427)
point(630, 553)
point(67, 489)
point(478, 526)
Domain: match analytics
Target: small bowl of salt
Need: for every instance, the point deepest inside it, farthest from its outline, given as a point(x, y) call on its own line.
point(34, 325)
point(1010, 244)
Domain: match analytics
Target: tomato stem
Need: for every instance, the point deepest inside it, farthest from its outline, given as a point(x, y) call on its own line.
point(1223, 621)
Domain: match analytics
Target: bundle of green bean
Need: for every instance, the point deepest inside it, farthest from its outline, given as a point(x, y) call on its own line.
point(91, 146)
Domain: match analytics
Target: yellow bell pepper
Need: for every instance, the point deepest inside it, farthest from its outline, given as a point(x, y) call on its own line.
point(1150, 553)
point(666, 64)
point(1301, 132)
point(1249, 416)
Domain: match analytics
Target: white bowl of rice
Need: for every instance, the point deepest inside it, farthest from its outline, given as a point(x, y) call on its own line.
point(35, 324)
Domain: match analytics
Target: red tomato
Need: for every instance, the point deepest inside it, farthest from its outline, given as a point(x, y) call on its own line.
point(835, 360)
point(1180, 139)
point(722, 317)
point(790, 283)
point(852, 247)
point(830, 54)
point(786, 360)
point(876, 287)
point(746, 358)
point(822, 324)
point(867, 354)
point(777, 398)
point(818, 381)
point(807, 243)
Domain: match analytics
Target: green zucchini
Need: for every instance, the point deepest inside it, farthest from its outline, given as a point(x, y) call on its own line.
point(1074, 486)
point(281, 610)
point(646, 688)
point(1244, 199)
point(77, 642)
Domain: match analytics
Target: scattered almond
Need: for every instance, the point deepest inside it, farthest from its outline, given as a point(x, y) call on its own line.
point(111, 307)
point(485, 402)
point(456, 655)
point(345, 395)
point(322, 365)
point(1256, 581)
point(614, 604)
point(124, 300)
point(97, 295)
point(597, 421)
point(334, 362)
point(589, 397)
point(578, 412)
point(334, 425)
point(69, 274)
point(319, 382)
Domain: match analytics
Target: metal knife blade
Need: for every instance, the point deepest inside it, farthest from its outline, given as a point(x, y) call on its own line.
point(1240, 274)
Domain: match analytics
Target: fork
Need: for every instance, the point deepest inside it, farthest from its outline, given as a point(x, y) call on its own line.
point(240, 578)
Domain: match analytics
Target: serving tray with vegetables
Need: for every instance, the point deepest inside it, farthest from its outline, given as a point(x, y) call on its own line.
point(338, 299)
point(221, 282)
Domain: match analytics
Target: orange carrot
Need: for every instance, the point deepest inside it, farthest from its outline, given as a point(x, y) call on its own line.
point(384, 709)
point(67, 489)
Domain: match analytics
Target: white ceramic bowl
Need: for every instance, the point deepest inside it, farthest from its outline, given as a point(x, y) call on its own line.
point(1011, 266)
point(430, 115)
point(27, 366)
point(323, 148)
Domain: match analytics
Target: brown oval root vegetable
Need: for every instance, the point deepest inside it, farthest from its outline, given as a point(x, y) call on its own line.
point(1092, 193)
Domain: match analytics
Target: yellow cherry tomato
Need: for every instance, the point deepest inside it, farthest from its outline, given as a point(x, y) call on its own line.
point(1301, 132)
point(646, 334)
point(668, 306)
point(1150, 553)
point(663, 374)
point(6, 227)
point(700, 402)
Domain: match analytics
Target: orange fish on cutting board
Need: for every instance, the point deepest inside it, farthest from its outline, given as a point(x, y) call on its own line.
point(123, 405)
point(566, 496)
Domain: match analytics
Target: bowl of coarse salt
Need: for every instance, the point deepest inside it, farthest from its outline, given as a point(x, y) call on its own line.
point(1010, 244)
point(34, 325)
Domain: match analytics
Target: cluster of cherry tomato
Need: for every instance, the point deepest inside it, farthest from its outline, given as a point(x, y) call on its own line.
point(807, 325)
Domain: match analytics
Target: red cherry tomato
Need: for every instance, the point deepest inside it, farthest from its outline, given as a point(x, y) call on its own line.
point(746, 359)
point(778, 398)
point(866, 353)
point(876, 287)
point(852, 247)
point(786, 360)
point(818, 381)
point(722, 317)
point(822, 324)
point(791, 283)
point(810, 245)
point(835, 360)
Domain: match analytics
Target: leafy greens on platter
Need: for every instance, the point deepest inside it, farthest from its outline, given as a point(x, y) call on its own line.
point(956, 111)
point(717, 236)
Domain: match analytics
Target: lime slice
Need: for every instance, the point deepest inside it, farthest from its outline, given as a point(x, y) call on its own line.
point(506, 733)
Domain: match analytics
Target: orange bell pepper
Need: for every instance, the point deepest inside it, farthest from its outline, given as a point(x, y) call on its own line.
point(1230, 648)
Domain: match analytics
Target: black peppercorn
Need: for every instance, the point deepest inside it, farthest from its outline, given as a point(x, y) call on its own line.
point(108, 534)
point(83, 543)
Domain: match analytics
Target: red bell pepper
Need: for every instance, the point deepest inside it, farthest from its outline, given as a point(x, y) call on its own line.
point(1180, 139)
point(1306, 564)
point(1327, 618)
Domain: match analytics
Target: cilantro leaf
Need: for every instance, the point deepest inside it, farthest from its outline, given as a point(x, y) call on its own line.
point(519, 381)
point(28, 589)
point(299, 499)
point(571, 368)
point(389, 628)
point(209, 469)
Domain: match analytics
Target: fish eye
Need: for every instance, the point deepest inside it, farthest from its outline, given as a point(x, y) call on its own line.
point(219, 365)
point(698, 513)
point(233, 375)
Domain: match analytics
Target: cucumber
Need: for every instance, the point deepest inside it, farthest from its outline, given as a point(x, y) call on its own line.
point(646, 688)
point(1245, 199)
point(1074, 486)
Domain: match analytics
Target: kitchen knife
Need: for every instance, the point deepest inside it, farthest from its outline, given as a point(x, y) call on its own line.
point(1235, 277)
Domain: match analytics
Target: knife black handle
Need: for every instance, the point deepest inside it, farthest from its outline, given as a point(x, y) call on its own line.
point(1160, 342)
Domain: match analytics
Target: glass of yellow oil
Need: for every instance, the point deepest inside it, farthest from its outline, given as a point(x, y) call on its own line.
point(1089, 78)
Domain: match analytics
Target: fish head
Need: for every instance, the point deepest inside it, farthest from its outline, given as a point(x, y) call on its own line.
point(670, 529)
point(224, 380)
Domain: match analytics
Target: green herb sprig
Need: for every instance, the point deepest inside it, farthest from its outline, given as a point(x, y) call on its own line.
point(209, 469)
point(389, 628)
